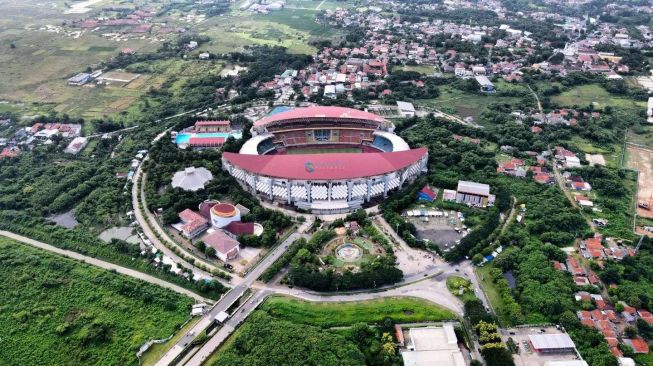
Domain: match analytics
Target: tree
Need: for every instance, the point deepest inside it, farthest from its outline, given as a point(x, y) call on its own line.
point(630, 331)
point(210, 252)
point(475, 311)
point(569, 320)
point(495, 354)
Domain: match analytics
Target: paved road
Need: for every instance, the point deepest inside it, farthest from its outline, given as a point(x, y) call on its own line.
point(228, 328)
point(222, 305)
point(153, 239)
point(105, 265)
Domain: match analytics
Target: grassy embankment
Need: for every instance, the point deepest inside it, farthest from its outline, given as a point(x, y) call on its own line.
point(51, 303)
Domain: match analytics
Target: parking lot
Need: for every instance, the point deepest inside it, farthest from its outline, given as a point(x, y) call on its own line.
point(527, 356)
point(444, 230)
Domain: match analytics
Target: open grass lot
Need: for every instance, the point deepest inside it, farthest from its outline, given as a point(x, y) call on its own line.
point(422, 69)
point(492, 293)
point(466, 104)
point(612, 152)
point(645, 137)
point(56, 311)
point(233, 33)
point(584, 95)
point(400, 309)
point(36, 70)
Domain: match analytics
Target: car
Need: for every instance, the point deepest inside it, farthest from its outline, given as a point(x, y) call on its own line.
point(511, 333)
point(457, 269)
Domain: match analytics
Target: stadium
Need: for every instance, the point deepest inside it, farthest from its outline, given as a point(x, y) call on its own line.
point(325, 159)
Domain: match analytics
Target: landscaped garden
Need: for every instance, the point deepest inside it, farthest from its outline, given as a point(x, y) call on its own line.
point(345, 252)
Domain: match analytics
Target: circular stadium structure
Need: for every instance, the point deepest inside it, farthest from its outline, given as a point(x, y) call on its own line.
point(325, 159)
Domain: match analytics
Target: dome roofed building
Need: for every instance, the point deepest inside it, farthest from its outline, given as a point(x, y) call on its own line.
point(191, 179)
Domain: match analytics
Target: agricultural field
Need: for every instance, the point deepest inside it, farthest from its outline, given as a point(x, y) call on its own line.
point(51, 304)
point(37, 62)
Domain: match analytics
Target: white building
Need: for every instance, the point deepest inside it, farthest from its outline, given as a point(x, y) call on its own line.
point(191, 179)
point(222, 214)
point(433, 346)
point(406, 109)
point(330, 91)
point(76, 145)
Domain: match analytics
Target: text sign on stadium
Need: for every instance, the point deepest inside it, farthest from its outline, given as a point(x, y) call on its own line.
point(323, 165)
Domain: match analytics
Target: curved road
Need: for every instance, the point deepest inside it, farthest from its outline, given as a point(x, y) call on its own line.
point(143, 222)
point(105, 265)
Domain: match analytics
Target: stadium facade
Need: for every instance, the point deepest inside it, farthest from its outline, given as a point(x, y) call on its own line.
point(325, 159)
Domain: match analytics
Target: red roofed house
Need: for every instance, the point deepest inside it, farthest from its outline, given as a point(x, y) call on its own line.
point(615, 352)
point(212, 126)
point(10, 152)
point(646, 316)
point(426, 194)
point(193, 223)
point(226, 248)
point(376, 67)
point(240, 228)
point(542, 178)
point(574, 267)
point(638, 345)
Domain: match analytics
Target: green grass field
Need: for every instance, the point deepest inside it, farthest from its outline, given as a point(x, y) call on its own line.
point(455, 101)
point(454, 283)
point(422, 69)
point(234, 33)
point(491, 292)
point(318, 150)
point(57, 311)
point(612, 153)
point(400, 309)
point(584, 95)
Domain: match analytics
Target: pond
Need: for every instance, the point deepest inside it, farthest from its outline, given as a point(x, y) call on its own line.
point(65, 219)
point(121, 233)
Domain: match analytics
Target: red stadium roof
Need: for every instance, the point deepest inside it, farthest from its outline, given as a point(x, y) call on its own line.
point(320, 112)
point(325, 166)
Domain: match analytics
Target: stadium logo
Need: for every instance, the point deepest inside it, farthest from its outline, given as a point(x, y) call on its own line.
point(309, 167)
